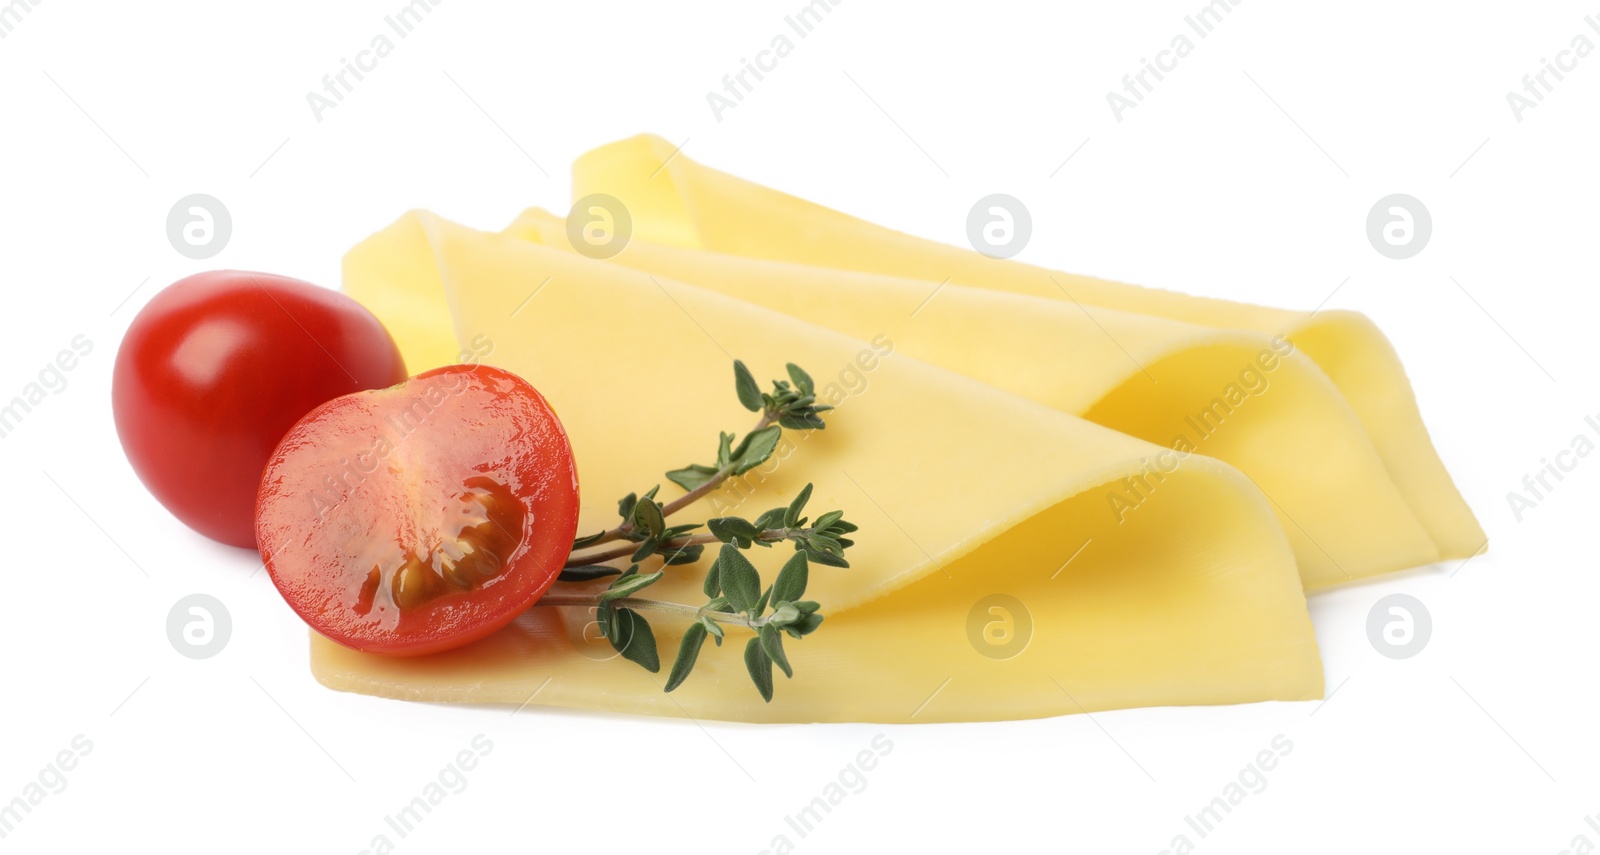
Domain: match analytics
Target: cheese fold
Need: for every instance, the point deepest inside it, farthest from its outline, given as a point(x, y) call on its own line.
point(1254, 403)
point(990, 580)
point(677, 202)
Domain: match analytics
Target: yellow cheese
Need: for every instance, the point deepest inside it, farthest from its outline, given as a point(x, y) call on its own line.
point(1232, 395)
point(675, 201)
point(990, 581)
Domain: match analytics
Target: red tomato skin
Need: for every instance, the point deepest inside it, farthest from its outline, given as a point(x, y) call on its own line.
point(216, 369)
point(491, 423)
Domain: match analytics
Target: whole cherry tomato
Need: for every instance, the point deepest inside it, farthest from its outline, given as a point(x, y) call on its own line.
point(217, 368)
point(421, 517)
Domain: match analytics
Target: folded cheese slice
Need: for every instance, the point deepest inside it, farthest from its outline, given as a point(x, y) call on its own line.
point(990, 579)
point(676, 201)
point(1258, 405)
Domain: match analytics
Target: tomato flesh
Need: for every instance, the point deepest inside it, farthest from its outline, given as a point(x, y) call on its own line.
point(217, 367)
point(422, 517)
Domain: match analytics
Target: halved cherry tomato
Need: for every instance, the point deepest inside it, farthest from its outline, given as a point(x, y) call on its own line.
point(214, 371)
point(421, 517)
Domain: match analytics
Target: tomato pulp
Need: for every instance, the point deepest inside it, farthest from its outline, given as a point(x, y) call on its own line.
point(421, 517)
point(216, 369)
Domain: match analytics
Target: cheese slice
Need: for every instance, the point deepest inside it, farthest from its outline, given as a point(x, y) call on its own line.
point(1256, 404)
point(676, 201)
point(990, 579)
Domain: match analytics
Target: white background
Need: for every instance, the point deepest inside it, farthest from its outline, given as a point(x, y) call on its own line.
point(1247, 173)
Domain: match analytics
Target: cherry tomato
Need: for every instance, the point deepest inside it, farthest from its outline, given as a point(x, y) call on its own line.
point(216, 369)
point(421, 517)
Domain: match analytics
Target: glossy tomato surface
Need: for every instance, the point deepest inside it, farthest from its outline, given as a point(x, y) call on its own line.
point(422, 517)
point(217, 368)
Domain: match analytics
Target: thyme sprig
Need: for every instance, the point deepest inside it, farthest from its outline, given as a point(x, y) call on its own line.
point(733, 586)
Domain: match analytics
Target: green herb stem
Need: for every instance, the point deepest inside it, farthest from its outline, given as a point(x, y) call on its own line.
point(691, 612)
point(771, 535)
point(687, 499)
point(716, 481)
